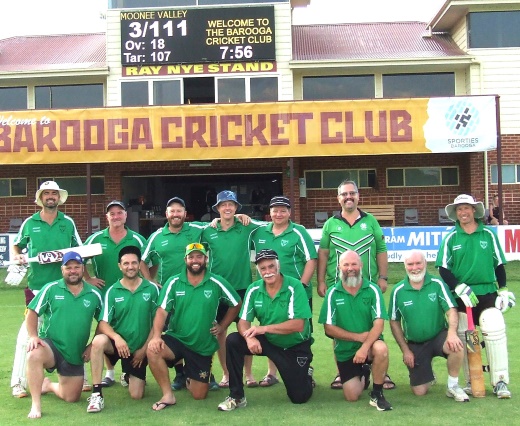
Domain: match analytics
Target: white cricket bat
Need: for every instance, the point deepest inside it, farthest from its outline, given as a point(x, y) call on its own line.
point(54, 256)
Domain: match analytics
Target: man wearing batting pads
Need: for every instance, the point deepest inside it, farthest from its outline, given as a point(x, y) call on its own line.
point(471, 262)
point(46, 230)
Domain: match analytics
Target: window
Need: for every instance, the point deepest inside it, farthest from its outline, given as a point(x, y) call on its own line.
point(167, 92)
point(338, 87)
point(494, 29)
point(77, 96)
point(330, 179)
point(418, 85)
point(13, 187)
point(231, 90)
point(134, 93)
point(263, 89)
point(510, 173)
point(422, 176)
point(13, 98)
point(78, 185)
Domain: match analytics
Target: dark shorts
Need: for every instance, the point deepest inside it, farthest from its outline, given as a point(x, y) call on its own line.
point(62, 366)
point(196, 367)
point(484, 302)
point(223, 308)
point(424, 352)
point(126, 363)
point(349, 369)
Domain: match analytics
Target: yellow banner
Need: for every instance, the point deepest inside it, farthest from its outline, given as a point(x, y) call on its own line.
point(234, 131)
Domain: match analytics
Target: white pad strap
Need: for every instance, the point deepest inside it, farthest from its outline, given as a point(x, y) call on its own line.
point(461, 332)
point(493, 330)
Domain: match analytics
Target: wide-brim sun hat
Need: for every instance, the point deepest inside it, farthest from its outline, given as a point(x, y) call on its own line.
point(226, 196)
point(50, 185)
point(451, 209)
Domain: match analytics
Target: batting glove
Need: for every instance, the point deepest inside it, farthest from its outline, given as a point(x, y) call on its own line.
point(505, 300)
point(467, 296)
point(15, 275)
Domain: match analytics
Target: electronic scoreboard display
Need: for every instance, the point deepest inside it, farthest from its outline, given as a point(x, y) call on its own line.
point(174, 36)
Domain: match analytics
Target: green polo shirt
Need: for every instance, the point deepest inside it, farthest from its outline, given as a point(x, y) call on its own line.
point(230, 255)
point(131, 313)
point(289, 303)
point(294, 247)
point(422, 311)
point(365, 237)
point(67, 319)
point(472, 258)
point(106, 264)
point(195, 308)
point(37, 236)
point(166, 248)
point(352, 313)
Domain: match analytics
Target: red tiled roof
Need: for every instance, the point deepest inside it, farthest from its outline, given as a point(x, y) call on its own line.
point(53, 52)
point(366, 41)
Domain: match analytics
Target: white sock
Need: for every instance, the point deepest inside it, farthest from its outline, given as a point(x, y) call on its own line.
point(452, 381)
point(111, 374)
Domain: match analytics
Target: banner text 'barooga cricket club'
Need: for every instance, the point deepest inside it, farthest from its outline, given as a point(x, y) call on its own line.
point(235, 131)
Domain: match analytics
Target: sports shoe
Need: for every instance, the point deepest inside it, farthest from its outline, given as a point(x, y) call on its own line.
point(213, 385)
point(107, 382)
point(19, 391)
point(179, 382)
point(467, 388)
point(378, 400)
point(95, 403)
point(501, 391)
point(230, 404)
point(457, 394)
point(123, 380)
point(86, 386)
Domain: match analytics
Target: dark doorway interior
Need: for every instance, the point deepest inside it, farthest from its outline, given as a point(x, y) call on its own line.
point(199, 90)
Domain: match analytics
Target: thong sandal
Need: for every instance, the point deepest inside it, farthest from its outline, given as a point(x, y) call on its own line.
point(388, 384)
point(268, 380)
point(336, 383)
point(223, 384)
point(251, 383)
point(162, 405)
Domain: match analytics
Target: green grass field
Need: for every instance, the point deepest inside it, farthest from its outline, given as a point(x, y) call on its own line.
point(271, 405)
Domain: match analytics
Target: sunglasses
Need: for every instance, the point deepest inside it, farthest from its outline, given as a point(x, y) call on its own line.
point(195, 246)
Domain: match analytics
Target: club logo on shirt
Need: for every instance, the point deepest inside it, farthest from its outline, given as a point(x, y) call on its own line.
point(284, 243)
point(119, 299)
point(203, 374)
point(432, 297)
point(146, 297)
point(366, 300)
point(208, 293)
point(302, 360)
point(339, 228)
point(86, 303)
point(483, 244)
point(363, 226)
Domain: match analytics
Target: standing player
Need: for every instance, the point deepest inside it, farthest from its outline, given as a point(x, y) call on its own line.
point(124, 328)
point(67, 306)
point(419, 305)
point(296, 254)
point(48, 229)
point(107, 272)
point(353, 314)
point(471, 262)
point(192, 297)
point(352, 229)
point(230, 257)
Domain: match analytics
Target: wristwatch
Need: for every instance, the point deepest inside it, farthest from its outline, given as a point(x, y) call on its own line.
point(383, 277)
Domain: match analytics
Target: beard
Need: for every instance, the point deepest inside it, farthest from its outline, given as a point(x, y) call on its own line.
point(351, 281)
point(416, 278)
point(196, 271)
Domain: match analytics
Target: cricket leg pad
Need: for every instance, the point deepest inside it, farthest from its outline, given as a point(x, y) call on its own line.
point(493, 330)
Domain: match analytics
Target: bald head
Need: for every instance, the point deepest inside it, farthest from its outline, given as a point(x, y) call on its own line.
point(350, 266)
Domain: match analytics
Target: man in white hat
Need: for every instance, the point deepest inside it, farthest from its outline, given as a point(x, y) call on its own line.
point(471, 261)
point(48, 229)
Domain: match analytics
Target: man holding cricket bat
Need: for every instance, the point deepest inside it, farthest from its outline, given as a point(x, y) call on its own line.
point(471, 262)
point(46, 230)
point(419, 307)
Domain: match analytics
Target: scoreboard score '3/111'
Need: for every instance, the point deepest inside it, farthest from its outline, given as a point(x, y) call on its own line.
point(196, 35)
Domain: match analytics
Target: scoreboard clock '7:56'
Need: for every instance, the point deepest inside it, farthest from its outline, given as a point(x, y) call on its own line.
point(175, 36)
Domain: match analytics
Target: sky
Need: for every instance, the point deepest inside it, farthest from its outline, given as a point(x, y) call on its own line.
point(39, 17)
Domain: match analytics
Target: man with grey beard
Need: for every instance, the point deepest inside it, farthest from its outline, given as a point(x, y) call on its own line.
point(353, 314)
point(419, 305)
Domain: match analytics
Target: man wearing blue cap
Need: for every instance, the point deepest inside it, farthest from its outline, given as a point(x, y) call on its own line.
point(68, 307)
point(230, 258)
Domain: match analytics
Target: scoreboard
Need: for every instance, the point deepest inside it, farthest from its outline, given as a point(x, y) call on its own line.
point(176, 36)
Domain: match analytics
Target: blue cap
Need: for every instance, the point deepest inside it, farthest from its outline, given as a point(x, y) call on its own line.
point(226, 196)
point(71, 255)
